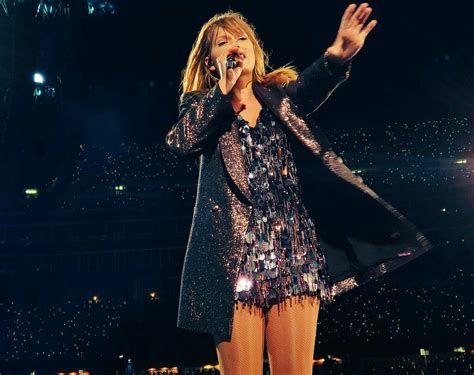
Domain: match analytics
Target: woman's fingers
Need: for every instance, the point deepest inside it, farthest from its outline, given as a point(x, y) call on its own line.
point(229, 76)
point(221, 61)
point(356, 16)
point(240, 62)
point(220, 69)
point(346, 17)
point(365, 16)
point(368, 28)
point(235, 72)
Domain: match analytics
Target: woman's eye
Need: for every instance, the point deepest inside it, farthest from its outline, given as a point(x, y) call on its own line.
point(223, 42)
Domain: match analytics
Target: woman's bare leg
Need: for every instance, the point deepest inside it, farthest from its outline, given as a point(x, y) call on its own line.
point(291, 336)
point(243, 354)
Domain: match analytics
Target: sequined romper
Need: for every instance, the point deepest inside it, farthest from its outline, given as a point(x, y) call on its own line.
point(281, 252)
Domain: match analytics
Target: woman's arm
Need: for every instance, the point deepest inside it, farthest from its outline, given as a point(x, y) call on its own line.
point(320, 79)
point(200, 115)
point(316, 83)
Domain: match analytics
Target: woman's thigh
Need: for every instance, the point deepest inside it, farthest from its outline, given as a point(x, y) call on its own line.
point(291, 335)
point(243, 354)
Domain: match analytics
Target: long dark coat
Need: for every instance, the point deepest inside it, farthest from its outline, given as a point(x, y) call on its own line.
point(362, 236)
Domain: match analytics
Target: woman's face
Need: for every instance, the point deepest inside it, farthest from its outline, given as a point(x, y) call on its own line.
point(225, 44)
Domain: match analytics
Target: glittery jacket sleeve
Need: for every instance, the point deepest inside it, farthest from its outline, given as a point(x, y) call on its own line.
point(316, 83)
point(201, 114)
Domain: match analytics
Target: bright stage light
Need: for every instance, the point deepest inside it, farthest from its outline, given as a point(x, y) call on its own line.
point(4, 6)
point(31, 193)
point(49, 9)
point(38, 78)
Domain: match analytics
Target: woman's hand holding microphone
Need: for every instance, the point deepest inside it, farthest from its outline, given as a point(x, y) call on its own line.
point(228, 74)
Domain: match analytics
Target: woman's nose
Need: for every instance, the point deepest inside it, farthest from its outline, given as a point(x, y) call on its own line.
point(235, 47)
point(236, 42)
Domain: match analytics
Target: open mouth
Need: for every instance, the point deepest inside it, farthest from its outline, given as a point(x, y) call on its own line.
point(237, 54)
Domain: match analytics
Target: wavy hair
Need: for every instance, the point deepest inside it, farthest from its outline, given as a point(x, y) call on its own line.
point(197, 76)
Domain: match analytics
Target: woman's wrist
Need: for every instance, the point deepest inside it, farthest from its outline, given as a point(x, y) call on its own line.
point(334, 64)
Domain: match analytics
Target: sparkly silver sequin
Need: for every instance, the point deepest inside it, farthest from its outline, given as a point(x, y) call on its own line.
point(282, 255)
point(344, 286)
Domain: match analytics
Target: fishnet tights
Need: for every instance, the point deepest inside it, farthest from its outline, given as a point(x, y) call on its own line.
point(290, 332)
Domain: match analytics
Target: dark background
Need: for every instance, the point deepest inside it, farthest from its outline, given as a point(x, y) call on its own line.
point(117, 82)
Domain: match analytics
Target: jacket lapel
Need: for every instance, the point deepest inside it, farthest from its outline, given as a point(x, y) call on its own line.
point(233, 157)
point(286, 111)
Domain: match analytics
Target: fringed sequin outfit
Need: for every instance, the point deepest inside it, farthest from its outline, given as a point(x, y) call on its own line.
point(281, 256)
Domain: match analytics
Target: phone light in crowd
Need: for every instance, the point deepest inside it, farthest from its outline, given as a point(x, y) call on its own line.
point(31, 193)
point(38, 78)
point(37, 92)
point(210, 367)
point(47, 92)
point(95, 299)
point(424, 352)
point(100, 7)
point(172, 370)
point(119, 189)
point(153, 296)
point(462, 161)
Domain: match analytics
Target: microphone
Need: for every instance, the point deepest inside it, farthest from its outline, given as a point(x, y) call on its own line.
point(231, 61)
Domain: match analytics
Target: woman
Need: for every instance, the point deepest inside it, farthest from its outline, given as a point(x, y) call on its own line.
point(257, 266)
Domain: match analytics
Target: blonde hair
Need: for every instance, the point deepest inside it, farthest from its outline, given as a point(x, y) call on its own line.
point(197, 76)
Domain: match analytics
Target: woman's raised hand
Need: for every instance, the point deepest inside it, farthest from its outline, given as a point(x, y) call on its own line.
point(352, 32)
point(228, 77)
